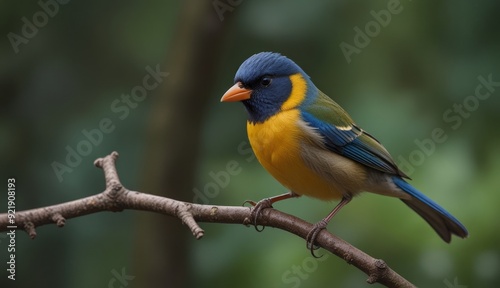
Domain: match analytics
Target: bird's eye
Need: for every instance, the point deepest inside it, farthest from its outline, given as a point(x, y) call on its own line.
point(266, 81)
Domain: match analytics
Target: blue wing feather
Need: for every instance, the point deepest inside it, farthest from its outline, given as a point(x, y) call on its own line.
point(355, 144)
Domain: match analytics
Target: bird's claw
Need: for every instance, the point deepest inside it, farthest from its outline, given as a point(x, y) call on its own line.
point(257, 210)
point(251, 202)
point(313, 234)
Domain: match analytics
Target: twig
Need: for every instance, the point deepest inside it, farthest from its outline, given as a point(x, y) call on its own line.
point(118, 198)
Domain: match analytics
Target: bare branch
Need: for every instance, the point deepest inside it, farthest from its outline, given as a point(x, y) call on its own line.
point(118, 198)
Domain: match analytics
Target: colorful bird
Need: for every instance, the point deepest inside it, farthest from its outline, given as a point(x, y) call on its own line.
point(313, 147)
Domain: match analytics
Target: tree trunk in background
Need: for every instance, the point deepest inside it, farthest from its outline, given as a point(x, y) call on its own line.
point(161, 250)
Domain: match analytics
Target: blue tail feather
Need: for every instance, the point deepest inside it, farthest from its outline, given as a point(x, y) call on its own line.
point(441, 220)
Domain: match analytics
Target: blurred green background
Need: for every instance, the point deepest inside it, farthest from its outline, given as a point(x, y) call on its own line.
point(402, 83)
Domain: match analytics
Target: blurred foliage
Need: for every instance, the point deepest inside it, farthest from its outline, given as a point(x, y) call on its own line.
point(424, 61)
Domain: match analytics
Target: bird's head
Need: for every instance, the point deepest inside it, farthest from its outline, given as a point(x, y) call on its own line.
point(267, 83)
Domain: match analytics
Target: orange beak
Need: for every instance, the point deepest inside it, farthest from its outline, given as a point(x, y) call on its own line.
point(236, 93)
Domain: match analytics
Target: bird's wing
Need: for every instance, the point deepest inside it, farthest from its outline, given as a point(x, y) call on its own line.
point(342, 136)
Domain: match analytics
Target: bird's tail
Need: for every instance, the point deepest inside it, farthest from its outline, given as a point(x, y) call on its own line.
point(441, 220)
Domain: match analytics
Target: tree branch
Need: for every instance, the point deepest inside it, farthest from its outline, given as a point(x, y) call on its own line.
point(117, 198)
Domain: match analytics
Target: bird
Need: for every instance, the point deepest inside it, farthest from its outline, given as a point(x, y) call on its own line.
point(311, 145)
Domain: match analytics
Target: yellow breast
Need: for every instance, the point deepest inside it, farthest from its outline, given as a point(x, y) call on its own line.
point(277, 145)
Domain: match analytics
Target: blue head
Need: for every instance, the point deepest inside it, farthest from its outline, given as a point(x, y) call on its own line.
point(263, 84)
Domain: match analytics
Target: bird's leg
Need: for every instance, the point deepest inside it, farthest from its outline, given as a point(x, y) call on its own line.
point(267, 203)
point(313, 234)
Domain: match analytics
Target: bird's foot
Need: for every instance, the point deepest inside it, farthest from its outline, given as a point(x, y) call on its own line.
point(313, 234)
point(257, 210)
